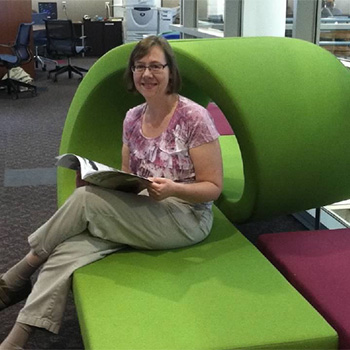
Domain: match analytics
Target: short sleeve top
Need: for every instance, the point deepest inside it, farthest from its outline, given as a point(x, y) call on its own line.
point(168, 154)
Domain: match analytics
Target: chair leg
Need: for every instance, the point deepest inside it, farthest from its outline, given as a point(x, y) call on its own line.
point(57, 69)
point(19, 84)
point(60, 71)
point(38, 59)
point(69, 68)
point(9, 84)
point(46, 60)
point(81, 69)
point(75, 70)
point(13, 87)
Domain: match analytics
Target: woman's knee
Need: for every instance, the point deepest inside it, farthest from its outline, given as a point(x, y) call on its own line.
point(79, 192)
point(78, 196)
point(91, 198)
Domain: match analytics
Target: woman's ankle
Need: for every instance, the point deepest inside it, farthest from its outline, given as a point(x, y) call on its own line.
point(18, 275)
point(18, 337)
point(34, 260)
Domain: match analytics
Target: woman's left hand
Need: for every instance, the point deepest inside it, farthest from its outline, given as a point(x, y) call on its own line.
point(79, 182)
point(161, 188)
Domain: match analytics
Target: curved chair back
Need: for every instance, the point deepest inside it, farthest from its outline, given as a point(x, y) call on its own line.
point(61, 39)
point(287, 101)
point(21, 47)
point(39, 36)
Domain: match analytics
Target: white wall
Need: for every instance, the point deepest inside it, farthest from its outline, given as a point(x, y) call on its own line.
point(264, 18)
point(216, 7)
point(76, 9)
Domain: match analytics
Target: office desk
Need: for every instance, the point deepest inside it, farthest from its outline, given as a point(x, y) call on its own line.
point(336, 40)
point(334, 34)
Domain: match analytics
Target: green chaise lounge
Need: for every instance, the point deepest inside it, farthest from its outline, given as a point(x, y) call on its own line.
point(287, 101)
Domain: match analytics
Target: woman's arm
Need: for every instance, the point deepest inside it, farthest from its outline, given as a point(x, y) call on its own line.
point(207, 163)
point(125, 158)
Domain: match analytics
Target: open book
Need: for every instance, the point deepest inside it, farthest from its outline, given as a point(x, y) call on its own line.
point(102, 175)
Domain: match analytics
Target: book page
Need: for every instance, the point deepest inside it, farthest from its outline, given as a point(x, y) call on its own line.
point(86, 166)
point(102, 175)
point(118, 181)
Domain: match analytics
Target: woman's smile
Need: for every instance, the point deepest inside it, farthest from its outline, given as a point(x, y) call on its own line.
point(148, 83)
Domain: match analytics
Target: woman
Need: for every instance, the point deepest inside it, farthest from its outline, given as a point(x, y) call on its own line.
point(169, 139)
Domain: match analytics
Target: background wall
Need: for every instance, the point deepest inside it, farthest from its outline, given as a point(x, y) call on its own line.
point(76, 9)
point(343, 5)
point(264, 18)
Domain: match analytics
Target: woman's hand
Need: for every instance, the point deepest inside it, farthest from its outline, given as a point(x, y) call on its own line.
point(161, 188)
point(207, 163)
point(78, 180)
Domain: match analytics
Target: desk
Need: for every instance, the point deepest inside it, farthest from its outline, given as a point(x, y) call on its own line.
point(334, 35)
point(336, 41)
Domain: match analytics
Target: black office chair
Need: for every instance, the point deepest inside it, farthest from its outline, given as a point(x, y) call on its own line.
point(40, 41)
point(20, 54)
point(62, 42)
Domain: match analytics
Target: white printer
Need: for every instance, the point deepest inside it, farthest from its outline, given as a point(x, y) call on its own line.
point(140, 19)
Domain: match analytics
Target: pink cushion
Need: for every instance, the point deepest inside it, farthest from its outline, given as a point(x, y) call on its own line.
point(317, 264)
point(221, 123)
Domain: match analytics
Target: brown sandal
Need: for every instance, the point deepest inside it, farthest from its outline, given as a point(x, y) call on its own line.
point(8, 297)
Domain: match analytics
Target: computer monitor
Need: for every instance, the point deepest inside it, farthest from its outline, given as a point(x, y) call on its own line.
point(50, 8)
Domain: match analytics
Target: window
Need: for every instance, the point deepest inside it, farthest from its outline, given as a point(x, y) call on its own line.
point(210, 14)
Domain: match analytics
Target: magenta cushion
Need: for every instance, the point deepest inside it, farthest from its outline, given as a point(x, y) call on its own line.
point(317, 263)
point(221, 123)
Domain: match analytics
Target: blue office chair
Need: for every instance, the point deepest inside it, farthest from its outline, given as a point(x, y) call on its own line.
point(62, 42)
point(20, 54)
point(40, 41)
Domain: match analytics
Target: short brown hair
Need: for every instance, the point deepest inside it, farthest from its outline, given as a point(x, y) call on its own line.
point(142, 48)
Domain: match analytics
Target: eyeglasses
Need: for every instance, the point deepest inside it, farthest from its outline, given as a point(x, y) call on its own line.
point(153, 68)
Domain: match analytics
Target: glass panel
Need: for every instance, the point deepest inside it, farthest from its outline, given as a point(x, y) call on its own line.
point(211, 14)
point(335, 37)
point(289, 18)
point(335, 27)
point(341, 211)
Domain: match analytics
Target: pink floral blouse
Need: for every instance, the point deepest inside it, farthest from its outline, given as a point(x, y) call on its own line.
point(168, 154)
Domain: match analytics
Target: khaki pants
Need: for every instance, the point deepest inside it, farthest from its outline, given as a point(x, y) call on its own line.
point(93, 223)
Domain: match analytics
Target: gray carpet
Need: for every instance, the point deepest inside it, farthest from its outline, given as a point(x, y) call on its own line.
point(30, 131)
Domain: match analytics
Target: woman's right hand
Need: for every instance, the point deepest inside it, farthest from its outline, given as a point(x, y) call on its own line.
point(160, 188)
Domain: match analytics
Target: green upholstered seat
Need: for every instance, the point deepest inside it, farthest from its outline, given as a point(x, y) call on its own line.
point(287, 101)
point(284, 157)
point(220, 294)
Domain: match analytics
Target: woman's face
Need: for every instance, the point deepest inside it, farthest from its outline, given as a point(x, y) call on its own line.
point(152, 84)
